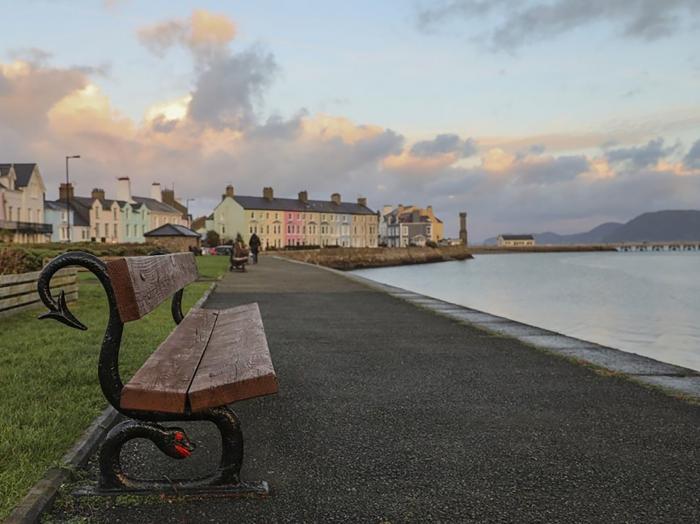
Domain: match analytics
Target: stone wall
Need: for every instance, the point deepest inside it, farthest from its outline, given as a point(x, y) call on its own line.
point(175, 244)
point(358, 258)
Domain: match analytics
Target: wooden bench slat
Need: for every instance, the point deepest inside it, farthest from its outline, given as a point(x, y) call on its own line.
point(162, 383)
point(142, 283)
point(237, 363)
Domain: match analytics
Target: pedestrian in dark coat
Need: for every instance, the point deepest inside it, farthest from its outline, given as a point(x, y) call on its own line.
point(254, 244)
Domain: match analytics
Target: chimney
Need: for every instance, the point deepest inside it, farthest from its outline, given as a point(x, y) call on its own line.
point(335, 198)
point(98, 194)
point(124, 189)
point(65, 191)
point(463, 228)
point(304, 197)
point(168, 196)
point(267, 193)
point(430, 209)
point(155, 192)
point(362, 201)
point(229, 191)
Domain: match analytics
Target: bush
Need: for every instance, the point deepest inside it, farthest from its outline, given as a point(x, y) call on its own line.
point(14, 261)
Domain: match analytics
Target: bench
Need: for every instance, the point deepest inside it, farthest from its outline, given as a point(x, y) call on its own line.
point(212, 358)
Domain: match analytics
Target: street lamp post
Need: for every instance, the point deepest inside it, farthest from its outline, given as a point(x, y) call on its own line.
point(187, 207)
point(68, 195)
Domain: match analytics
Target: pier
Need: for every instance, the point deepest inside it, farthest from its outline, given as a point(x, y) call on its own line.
point(389, 412)
point(658, 246)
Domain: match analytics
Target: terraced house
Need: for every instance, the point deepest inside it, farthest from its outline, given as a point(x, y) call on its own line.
point(22, 192)
point(124, 220)
point(404, 226)
point(283, 222)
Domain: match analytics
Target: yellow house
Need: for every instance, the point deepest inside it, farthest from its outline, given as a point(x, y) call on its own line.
point(283, 222)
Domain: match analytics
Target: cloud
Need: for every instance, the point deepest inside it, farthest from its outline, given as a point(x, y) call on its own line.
point(33, 56)
point(228, 91)
point(443, 144)
point(641, 156)
point(514, 23)
point(219, 133)
point(692, 159)
point(205, 34)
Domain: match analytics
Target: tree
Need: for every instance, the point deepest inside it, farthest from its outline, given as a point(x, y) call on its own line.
point(212, 238)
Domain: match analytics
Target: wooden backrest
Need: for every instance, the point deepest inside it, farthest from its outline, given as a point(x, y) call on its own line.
point(142, 283)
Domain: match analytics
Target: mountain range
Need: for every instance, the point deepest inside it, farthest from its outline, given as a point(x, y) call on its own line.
point(657, 226)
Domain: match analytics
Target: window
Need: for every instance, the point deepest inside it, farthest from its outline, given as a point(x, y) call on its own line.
point(114, 230)
point(97, 212)
point(114, 214)
point(106, 230)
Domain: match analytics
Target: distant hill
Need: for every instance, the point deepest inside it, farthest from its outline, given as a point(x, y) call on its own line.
point(655, 226)
point(659, 226)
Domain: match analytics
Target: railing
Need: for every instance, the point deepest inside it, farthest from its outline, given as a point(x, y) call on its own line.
point(18, 292)
point(26, 227)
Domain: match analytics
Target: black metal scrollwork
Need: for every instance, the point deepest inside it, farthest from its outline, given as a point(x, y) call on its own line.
point(142, 424)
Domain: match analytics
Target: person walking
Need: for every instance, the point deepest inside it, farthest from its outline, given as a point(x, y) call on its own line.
point(254, 244)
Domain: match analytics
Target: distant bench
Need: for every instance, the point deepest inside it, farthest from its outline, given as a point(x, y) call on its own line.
point(212, 358)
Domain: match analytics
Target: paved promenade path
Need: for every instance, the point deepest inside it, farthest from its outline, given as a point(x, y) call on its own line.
point(388, 412)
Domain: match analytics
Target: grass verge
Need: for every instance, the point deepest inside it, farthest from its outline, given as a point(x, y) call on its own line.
point(48, 378)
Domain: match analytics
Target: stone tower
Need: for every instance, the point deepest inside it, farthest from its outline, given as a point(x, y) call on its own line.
point(463, 228)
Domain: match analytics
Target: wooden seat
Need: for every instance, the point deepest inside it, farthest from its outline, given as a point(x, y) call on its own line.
point(212, 358)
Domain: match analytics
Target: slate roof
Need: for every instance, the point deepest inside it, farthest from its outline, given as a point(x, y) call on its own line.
point(294, 204)
point(154, 205)
point(81, 214)
point(517, 237)
point(171, 230)
point(22, 171)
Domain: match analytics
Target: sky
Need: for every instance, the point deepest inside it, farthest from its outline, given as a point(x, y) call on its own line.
point(531, 115)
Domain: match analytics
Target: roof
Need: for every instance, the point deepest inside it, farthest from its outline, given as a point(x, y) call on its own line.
point(517, 237)
point(81, 214)
point(294, 204)
point(23, 172)
point(199, 223)
point(154, 205)
point(171, 230)
point(81, 210)
point(55, 206)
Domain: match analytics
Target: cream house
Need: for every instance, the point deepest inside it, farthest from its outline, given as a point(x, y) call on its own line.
point(22, 193)
point(283, 222)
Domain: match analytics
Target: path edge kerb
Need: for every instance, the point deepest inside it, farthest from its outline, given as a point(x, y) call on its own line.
point(42, 494)
point(672, 380)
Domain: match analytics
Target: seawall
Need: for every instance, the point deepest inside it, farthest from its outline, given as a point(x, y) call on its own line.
point(361, 258)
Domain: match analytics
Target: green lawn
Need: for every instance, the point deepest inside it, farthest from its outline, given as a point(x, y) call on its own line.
point(49, 391)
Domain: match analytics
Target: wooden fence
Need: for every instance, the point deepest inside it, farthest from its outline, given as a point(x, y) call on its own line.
point(18, 292)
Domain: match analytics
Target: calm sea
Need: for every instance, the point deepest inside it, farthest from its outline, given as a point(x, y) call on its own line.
point(645, 303)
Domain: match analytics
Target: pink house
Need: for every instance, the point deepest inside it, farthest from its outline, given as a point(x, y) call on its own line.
point(294, 228)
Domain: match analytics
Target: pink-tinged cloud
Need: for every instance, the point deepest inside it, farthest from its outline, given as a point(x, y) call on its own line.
point(220, 132)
